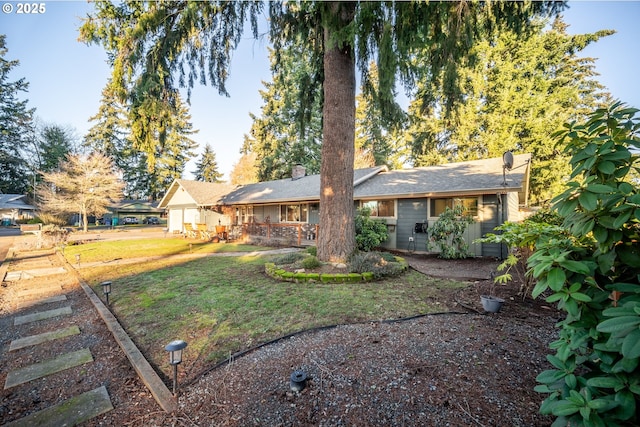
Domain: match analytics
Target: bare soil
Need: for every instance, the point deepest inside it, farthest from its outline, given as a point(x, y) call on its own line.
point(460, 367)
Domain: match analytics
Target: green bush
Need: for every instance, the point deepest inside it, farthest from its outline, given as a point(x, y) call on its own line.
point(520, 238)
point(446, 233)
point(375, 263)
point(312, 250)
point(310, 262)
point(289, 258)
point(592, 272)
point(370, 233)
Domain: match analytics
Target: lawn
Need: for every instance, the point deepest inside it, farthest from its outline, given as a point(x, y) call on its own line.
point(221, 305)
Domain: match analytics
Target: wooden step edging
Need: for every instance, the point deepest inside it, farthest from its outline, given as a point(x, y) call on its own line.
point(149, 377)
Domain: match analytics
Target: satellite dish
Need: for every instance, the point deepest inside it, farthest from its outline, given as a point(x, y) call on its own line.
point(507, 159)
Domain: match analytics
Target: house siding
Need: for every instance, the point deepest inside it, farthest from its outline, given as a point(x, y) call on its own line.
point(411, 211)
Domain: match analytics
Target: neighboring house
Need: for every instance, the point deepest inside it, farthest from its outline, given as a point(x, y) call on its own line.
point(194, 202)
point(138, 209)
point(13, 207)
point(409, 200)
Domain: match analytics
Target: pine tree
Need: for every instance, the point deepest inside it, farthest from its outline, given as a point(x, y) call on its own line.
point(378, 141)
point(207, 166)
point(181, 42)
point(286, 133)
point(516, 93)
point(16, 124)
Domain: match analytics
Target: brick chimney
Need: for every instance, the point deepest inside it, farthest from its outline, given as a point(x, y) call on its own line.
point(298, 172)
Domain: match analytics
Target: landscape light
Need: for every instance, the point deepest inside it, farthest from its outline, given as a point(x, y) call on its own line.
point(106, 289)
point(175, 358)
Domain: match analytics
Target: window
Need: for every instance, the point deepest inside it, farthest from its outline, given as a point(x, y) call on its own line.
point(293, 213)
point(380, 207)
point(470, 205)
point(244, 215)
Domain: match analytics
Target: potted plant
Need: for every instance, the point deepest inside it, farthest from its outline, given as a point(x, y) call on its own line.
point(491, 303)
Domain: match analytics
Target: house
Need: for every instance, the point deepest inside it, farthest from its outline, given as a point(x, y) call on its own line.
point(409, 200)
point(194, 202)
point(13, 207)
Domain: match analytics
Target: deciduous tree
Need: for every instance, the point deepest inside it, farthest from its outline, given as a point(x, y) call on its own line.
point(245, 171)
point(83, 185)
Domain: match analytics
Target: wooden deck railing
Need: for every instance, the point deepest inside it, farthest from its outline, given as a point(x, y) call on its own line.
point(297, 233)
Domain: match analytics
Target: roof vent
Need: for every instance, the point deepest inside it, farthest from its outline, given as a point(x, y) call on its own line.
point(298, 172)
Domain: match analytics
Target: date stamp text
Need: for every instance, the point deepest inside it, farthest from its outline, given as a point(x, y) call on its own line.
point(24, 8)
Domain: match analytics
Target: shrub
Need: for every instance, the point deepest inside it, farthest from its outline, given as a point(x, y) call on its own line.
point(312, 250)
point(310, 262)
point(370, 233)
point(374, 263)
point(593, 274)
point(521, 238)
point(289, 258)
point(446, 233)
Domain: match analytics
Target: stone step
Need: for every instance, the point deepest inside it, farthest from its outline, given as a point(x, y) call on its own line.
point(71, 412)
point(38, 291)
point(34, 302)
point(39, 272)
point(44, 337)
point(41, 315)
point(39, 370)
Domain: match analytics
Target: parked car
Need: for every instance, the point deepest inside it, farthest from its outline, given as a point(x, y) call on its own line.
point(151, 220)
point(130, 220)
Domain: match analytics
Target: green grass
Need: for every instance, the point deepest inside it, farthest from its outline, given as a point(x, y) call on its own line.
point(137, 248)
point(221, 305)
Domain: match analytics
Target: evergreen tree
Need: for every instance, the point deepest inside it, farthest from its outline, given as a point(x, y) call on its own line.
point(55, 143)
point(155, 46)
point(170, 160)
point(516, 93)
point(110, 133)
point(378, 141)
point(145, 176)
point(16, 127)
point(207, 166)
point(286, 133)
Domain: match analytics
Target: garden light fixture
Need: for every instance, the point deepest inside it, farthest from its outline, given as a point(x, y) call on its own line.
point(78, 259)
point(175, 358)
point(106, 289)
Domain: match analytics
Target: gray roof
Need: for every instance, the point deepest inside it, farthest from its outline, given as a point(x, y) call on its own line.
point(14, 201)
point(204, 193)
point(472, 177)
point(306, 188)
point(462, 178)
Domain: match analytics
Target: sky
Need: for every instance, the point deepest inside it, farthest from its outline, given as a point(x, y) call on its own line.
point(66, 77)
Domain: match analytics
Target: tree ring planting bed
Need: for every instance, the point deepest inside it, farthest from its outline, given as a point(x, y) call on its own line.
point(326, 273)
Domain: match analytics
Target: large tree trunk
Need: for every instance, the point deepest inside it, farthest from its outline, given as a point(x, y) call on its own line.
point(336, 240)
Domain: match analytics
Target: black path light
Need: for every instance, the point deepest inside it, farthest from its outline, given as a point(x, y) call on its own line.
point(175, 358)
point(106, 289)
